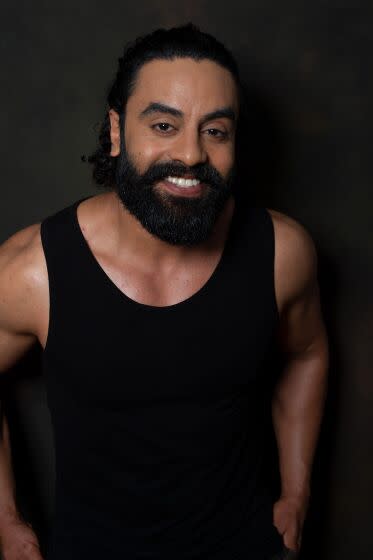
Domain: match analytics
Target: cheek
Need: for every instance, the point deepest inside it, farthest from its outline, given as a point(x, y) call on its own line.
point(141, 154)
point(148, 152)
point(142, 149)
point(224, 160)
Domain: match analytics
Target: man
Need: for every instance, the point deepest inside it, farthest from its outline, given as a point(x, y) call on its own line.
point(158, 304)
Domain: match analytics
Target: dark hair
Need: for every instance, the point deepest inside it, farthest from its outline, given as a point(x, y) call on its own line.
point(178, 42)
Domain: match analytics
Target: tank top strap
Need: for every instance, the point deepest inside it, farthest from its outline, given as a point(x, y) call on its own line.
point(57, 234)
point(63, 258)
point(250, 259)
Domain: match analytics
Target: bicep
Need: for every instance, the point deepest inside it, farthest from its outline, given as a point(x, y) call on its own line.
point(301, 327)
point(17, 315)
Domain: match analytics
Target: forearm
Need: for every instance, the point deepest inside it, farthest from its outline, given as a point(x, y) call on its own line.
point(8, 509)
point(297, 409)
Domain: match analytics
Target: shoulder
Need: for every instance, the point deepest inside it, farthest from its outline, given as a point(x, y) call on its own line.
point(21, 249)
point(23, 278)
point(295, 258)
point(293, 241)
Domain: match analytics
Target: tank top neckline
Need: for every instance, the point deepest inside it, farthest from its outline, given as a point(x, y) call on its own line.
point(194, 298)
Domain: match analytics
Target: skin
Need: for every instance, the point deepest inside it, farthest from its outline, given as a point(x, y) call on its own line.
point(154, 272)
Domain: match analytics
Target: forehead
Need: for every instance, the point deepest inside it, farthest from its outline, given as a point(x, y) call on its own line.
point(184, 83)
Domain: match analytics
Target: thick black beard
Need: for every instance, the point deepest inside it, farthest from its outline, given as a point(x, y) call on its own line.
point(175, 219)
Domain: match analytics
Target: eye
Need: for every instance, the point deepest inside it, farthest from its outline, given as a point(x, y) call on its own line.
point(162, 124)
point(220, 133)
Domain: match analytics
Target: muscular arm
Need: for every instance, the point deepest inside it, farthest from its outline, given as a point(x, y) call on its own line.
point(299, 396)
point(18, 305)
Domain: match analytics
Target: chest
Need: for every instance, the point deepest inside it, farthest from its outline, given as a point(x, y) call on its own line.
point(160, 288)
point(153, 288)
point(205, 331)
point(115, 353)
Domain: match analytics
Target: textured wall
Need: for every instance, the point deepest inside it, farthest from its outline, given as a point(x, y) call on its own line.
point(308, 65)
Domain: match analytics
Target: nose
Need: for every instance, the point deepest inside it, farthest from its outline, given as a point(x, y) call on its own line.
point(188, 148)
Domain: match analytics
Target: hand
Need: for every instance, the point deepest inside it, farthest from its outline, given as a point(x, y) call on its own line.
point(18, 541)
point(288, 518)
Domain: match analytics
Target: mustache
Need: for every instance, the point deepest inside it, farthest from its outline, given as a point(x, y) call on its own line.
point(203, 172)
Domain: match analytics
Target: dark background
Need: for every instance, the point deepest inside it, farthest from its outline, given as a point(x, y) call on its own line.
point(308, 65)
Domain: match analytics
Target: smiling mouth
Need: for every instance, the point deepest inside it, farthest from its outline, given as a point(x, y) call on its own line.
point(182, 186)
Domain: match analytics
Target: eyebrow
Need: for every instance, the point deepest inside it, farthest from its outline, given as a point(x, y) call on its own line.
point(154, 107)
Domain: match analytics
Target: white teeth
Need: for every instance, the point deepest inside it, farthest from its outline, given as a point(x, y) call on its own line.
point(183, 182)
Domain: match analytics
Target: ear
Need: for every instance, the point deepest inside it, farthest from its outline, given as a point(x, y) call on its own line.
point(114, 133)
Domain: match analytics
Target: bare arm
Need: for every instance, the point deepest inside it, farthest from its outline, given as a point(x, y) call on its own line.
point(20, 288)
point(8, 509)
point(299, 397)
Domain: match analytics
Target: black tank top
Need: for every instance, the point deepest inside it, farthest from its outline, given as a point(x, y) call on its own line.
point(158, 412)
